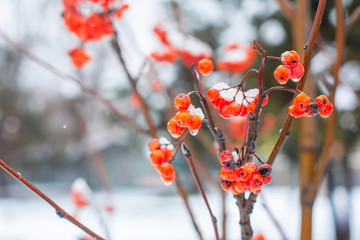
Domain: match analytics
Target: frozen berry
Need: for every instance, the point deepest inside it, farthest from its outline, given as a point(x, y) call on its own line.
point(297, 72)
point(166, 169)
point(205, 66)
point(282, 74)
point(183, 118)
point(156, 157)
point(195, 122)
point(226, 185)
point(234, 109)
point(174, 128)
point(182, 102)
point(267, 179)
point(228, 165)
point(154, 144)
point(228, 176)
point(213, 94)
point(224, 155)
point(265, 169)
point(290, 58)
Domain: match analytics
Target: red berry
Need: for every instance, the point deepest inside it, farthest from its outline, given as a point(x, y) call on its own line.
point(297, 72)
point(183, 118)
point(166, 169)
point(251, 168)
point(174, 129)
point(213, 94)
point(154, 144)
point(326, 112)
point(205, 66)
point(241, 187)
point(282, 74)
point(234, 109)
point(182, 102)
point(226, 185)
point(195, 123)
point(168, 180)
point(258, 236)
point(290, 58)
point(224, 155)
point(256, 182)
point(243, 111)
point(243, 175)
point(228, 176)
point(79, 57)
point(234, 189)
point(296, 113)
point(322, 101)
point(302, 102)
point(224, 111)
point(228, 165)
point(267, 179)
point(168, 153)
point(265, 169)
point(251, 107)
point(157, 157)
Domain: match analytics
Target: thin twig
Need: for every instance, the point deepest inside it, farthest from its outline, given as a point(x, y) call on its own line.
point(272, 217)
point(23, 50)
point(59, 211)
point(189, 160)
point(355, 15)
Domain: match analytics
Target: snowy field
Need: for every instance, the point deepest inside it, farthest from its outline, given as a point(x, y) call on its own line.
point(155, 214)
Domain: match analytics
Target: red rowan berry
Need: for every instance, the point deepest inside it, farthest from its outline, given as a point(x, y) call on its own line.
point(205, 66)
point(234, 108)
point(241, 187)
point(326, 112)
point(168, 153)
point(234, 190)
point(79, 57)
point(243, 175)
point(258, 236)
point(296, 113)
point(154, 144)
point(302, 102)
point(225, 155)
point(213, 94)
point(322, 101)
point(183, 118)
point(265, 169)
point(174, 129)
point(256, 182)
point(195, 123)
point(226, 185)
point(251, 107)
point(297, 72)
point(290, 58)
point(78, 199)
point(243, 111)
point(282, 74)
point(224, 111)
point(267, 179)
point(228, 176)
point(182, 102)
point(166, 169)
point(251, 168)
point(157, 157)
point(168, 180)
point(266, 100)
point(228, 165)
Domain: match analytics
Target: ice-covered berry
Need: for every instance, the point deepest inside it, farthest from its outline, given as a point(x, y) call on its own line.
point(282, 74)
point(182, 102)
point(205, 66)
point(297, 72)
point(290, 58)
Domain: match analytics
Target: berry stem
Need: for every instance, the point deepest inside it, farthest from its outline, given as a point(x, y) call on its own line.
point(240, 85)
point(203, 101)
point(275, 58)
point(280, 88)
point(59, 211)
point(253, 153)
point(189, 160)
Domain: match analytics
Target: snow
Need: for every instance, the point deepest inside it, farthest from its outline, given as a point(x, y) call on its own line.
point(150, 214)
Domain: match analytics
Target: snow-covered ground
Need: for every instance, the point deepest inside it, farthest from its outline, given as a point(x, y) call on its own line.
point(155, 214)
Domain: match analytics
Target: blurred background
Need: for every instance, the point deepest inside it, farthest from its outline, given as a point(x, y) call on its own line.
point(53, 133)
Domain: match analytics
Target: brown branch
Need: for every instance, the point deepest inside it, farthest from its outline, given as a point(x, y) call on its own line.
point(287, 8)
point(23, 50)
point(145, 108)
point(189, 160)
point(285, 131)
point(59, 211)
point(331, 123)
point(353, 18)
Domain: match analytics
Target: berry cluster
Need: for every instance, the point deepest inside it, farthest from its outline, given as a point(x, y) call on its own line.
point(160, 157)
point(292, 68)
point(91, 27)
point(246, 178)
point(177, 46)
point(187, 117)
point(303, 106)
point(231, 102)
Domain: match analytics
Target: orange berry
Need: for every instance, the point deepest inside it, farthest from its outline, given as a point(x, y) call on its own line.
point(195, 123)
point(256, 182)
point(234, 108)
point(226, 185)
point(251, 107)
point(79, 57)
point(302, 102)
point(225, 155)
point(251, 168)
point(258, 236)
point(297, 72)
point(154, 144)
point(166, 169)
point(78, 199)
point(282, 74)
point(321, 101)
point(295, 112)
point(168, 180)
point(182, 102)
point(183, 118)
point(290, 58)
point(213, 94)
point(205, 66)
point(234, 190)
point(241, 187)
point(174, 129)
point(224, 111)
point(267, 179)
point(326, 112)
point(156, 157)
point(168, 153)
point(266, 100)
point(243, 111)
point(228, 176)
